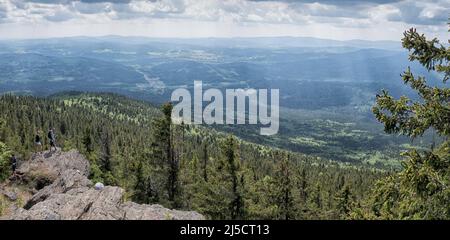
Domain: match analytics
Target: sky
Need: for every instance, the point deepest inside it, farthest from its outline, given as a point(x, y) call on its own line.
point(330, 19)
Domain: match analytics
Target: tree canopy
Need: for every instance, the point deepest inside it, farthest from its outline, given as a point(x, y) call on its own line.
point(421, 189)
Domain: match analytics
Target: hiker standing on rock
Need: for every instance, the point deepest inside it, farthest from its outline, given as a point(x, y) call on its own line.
point(51, 137)
point(37, 142)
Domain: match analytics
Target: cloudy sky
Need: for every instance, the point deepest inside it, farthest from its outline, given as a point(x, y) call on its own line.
point(332, 19)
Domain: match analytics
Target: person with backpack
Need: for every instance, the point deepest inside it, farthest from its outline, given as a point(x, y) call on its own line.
point(13, 164)
point(51, 137)
point(37, 142)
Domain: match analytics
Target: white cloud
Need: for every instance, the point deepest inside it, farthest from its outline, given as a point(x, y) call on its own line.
point(286, 17)
point(432, 12)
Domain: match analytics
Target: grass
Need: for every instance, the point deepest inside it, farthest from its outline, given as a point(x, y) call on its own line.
point(308, 141)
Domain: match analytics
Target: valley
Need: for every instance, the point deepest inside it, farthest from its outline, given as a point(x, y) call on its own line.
point(327, 88)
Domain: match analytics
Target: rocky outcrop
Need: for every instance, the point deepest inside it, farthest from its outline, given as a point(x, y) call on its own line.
point(69, 194)
point(52, 164)
point(134, 211)
point(68, 180)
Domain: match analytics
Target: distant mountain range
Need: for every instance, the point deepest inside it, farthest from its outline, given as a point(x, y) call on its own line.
point(258, 42)
point(306, 70)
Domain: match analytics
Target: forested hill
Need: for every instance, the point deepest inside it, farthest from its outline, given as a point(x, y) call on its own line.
point(133, 145)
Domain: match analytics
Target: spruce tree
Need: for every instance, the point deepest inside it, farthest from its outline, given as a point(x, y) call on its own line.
point(344, 202)
point(88, 142)
point(284, 184)
point(165, 139)
point(233, 172)
point(420, 190)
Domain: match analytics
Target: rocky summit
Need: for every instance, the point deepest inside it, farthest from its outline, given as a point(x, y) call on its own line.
point(62, 191)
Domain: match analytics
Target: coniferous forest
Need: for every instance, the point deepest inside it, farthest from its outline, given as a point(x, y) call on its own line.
point(135, 145)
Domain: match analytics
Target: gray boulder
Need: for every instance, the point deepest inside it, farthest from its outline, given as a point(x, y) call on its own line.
point(11, 196)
